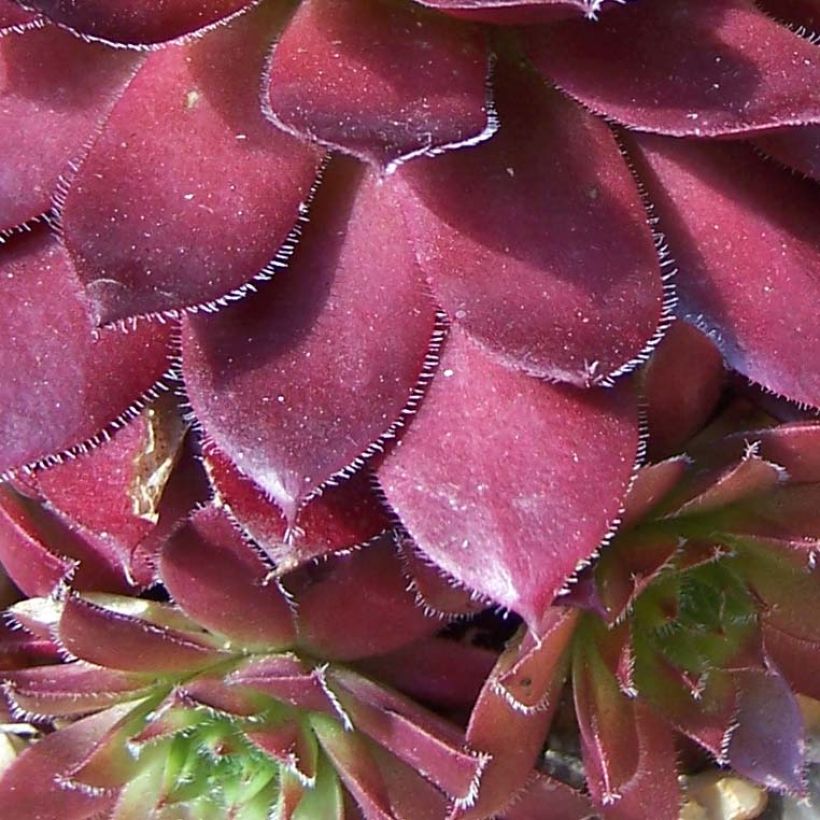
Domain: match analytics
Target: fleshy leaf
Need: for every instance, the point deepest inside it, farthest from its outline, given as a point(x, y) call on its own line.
point(534, 278)
point(549, 799)
point(114, 496)
point(100, 635)
point(14, 18)
point(357, 604)
point(736, 71)
point(804, 13)
point(767, 744)
point(429, 744)
point(345, 515)
point(60, 384)
point(30, 784)
point(136, 22)
point(795, 658)
point(222, 583)
point(382, 81)
point(651, 485)
point(69, 689)
point(439, 671)
point(797, 148)
point(54, 91)
point(39, 551)
point(296, 383)
point(180, 231)
point(515, 708)
point(682, 385)
point(510, 512)
point(512, 12)
point(743, 234)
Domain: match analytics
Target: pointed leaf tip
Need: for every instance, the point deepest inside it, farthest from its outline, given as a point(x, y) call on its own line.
point(535, 474)
point(295, 384)
point(560, 277)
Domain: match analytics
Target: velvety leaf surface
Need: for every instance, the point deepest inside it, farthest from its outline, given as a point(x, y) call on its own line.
point(651, 485)
point(223, 584)
point(345, 515)
point(114, 496)
point(507, 12)
point(735, 70)
point(797, 148)
point(795, 658)
point(682, 385)
point(521, 499)
point(30, 783)
point(515, 708)
point(59, 384)
point(39, 552)
point(535, 278)
point(432, 746)
point(743, 235)
point(100, 635)
point(181, 230)
point(138, 22)
point(69, 689)
point(296, 383)
point(380, 80)
point(13, 17)
point(54, 90)
point(434, 670)
point(549, 799)
point(355, 605)
point(767, 745)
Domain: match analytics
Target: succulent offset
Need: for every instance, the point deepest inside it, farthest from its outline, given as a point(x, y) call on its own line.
point(329, 323)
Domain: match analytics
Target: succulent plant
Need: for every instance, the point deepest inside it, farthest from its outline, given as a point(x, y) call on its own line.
point(330, 323)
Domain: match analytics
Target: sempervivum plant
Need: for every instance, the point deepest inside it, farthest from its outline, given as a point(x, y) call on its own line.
point(396, 261)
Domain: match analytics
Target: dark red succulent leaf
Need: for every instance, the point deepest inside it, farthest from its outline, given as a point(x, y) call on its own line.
point(737, 71)
point(113, 497)
point(31, 783)
point(743, 234)
point(794, 446)
point(180, 231)
point(511, 12)
point(291, 742)
point(379, 80)
point(14, 18)
point(520, 500)
point(297, 383)
point(442, 672)
point(100, 635)
point(549, 799)
point(682, 385)
point(796, 659)
point(534, 279)
point(357, 604)
point(767, 744)
point(217, 695)
point(629, 752)
point(437, 592)
point(796, 148)
point(432, 746)
point(515, 708)
point(55, 91)
point(652, 484)
point(628, 566)
point(40, 552)
point(61, 383)
point(347, 514)
point(136, 22)
point(222, 583)
point(69, 690)
point(21, 650)
point(288, 679)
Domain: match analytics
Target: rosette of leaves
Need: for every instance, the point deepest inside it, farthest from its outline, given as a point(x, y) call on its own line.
point(476, 169)
point(688, 638)
point(246, 696)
